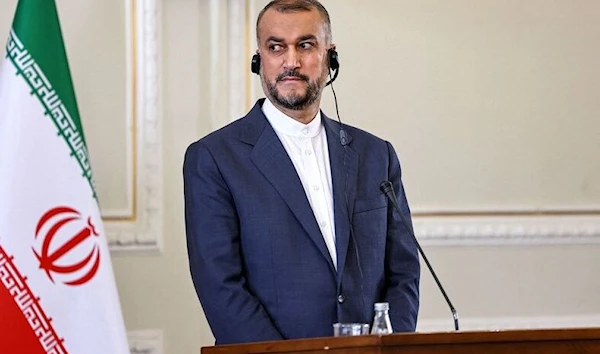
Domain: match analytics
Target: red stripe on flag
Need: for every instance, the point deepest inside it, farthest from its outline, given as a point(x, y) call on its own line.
point(24, 326)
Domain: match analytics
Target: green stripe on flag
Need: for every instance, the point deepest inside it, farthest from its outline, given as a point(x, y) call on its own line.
point(36, 48)
point(37, 26)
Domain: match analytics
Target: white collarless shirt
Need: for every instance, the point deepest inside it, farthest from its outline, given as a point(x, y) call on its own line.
point(306, 145)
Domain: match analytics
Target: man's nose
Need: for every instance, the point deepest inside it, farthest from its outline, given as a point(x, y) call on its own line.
point(292, 59)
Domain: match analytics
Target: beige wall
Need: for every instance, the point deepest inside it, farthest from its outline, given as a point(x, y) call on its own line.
point(492, 106)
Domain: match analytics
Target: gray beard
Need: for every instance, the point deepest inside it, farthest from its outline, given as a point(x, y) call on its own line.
point(296, 102)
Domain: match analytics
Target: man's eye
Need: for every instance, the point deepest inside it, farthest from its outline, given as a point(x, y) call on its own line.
point(306, 45)
point(275, 47)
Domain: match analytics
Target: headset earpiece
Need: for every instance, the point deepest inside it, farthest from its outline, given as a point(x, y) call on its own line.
point(334, 60)
point(255, 65)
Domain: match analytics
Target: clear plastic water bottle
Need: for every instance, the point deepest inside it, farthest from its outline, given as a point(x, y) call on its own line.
point(381, 321)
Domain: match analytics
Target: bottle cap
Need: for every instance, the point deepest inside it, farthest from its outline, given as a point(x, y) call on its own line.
point(382, 306)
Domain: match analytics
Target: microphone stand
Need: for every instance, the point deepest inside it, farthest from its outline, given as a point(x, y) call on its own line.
point(388, 189)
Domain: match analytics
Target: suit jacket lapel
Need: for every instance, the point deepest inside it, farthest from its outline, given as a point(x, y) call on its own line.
point(272, 160)
point(344, 173)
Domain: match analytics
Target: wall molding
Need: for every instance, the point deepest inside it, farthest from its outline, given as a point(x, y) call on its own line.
point(529, 230)
point(229, 61)
point(239, 62)
point(142, 232)
point(509, 323)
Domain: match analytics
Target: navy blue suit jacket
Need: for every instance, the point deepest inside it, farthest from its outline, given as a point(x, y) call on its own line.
point(258, 260)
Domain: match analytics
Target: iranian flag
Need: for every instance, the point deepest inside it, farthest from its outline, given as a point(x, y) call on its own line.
point(57, 289)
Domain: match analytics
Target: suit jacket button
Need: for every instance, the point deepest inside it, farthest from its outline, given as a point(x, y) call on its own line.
point(341, 299)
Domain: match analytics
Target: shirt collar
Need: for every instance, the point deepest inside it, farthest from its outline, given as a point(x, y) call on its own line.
point(287, 125)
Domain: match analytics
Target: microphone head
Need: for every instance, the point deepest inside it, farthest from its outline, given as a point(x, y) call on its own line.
point(343, 137)
point(386, 187)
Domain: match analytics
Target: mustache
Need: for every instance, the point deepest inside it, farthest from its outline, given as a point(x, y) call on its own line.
point(291, 73)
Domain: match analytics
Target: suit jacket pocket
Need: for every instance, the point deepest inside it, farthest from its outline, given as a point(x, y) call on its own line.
point(362, 205)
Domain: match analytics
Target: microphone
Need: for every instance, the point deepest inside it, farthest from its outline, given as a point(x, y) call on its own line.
point(343, 137)
point(388, 189)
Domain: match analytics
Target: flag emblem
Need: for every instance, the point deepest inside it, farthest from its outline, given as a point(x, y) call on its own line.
point(61, 230)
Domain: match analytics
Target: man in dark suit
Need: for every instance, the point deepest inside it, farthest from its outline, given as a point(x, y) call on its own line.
point(287, 229)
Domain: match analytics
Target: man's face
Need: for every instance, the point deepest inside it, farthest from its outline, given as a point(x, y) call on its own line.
point(293, 52)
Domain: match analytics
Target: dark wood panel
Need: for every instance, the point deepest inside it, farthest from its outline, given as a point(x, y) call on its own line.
point(555, 341)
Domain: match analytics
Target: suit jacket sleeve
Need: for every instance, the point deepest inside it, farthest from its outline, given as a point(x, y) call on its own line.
point(234, 314)
point(401, 259)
